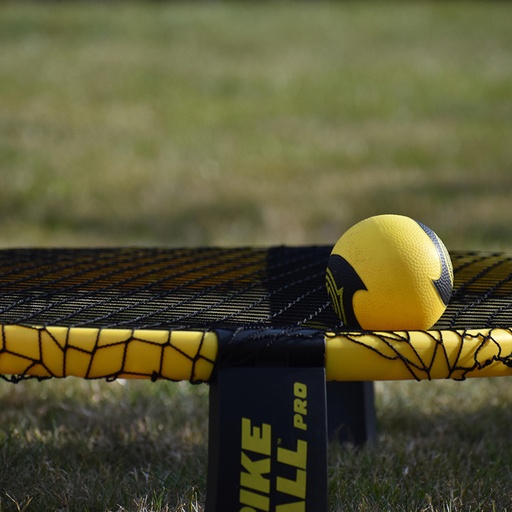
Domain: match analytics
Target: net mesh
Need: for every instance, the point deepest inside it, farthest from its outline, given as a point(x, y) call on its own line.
point(136, 291)
point(152, 288)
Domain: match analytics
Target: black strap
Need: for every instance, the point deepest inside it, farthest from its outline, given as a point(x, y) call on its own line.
point(299, 348)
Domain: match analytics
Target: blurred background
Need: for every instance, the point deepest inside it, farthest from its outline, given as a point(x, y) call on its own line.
point(257, 123)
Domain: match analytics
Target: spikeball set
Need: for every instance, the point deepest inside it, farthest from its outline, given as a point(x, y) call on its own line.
point(289, 339)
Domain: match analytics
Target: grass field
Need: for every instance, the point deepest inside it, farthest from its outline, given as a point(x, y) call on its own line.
point(251, 124)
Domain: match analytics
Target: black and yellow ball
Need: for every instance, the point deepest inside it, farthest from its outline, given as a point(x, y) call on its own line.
point(389, 272)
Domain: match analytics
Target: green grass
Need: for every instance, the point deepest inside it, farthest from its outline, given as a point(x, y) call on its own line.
point(443, 446)
point(77, 445)
point(138, 446)
point(214, 124)
point(248, 124)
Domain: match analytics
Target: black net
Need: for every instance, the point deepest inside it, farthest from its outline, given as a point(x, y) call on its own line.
point(279, 289)
point(214, 288)
point(155, 288)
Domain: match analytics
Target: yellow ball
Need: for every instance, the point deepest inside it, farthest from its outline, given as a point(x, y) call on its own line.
point(389, 272)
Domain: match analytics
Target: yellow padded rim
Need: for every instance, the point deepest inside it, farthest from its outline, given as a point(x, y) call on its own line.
point(190, 355)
